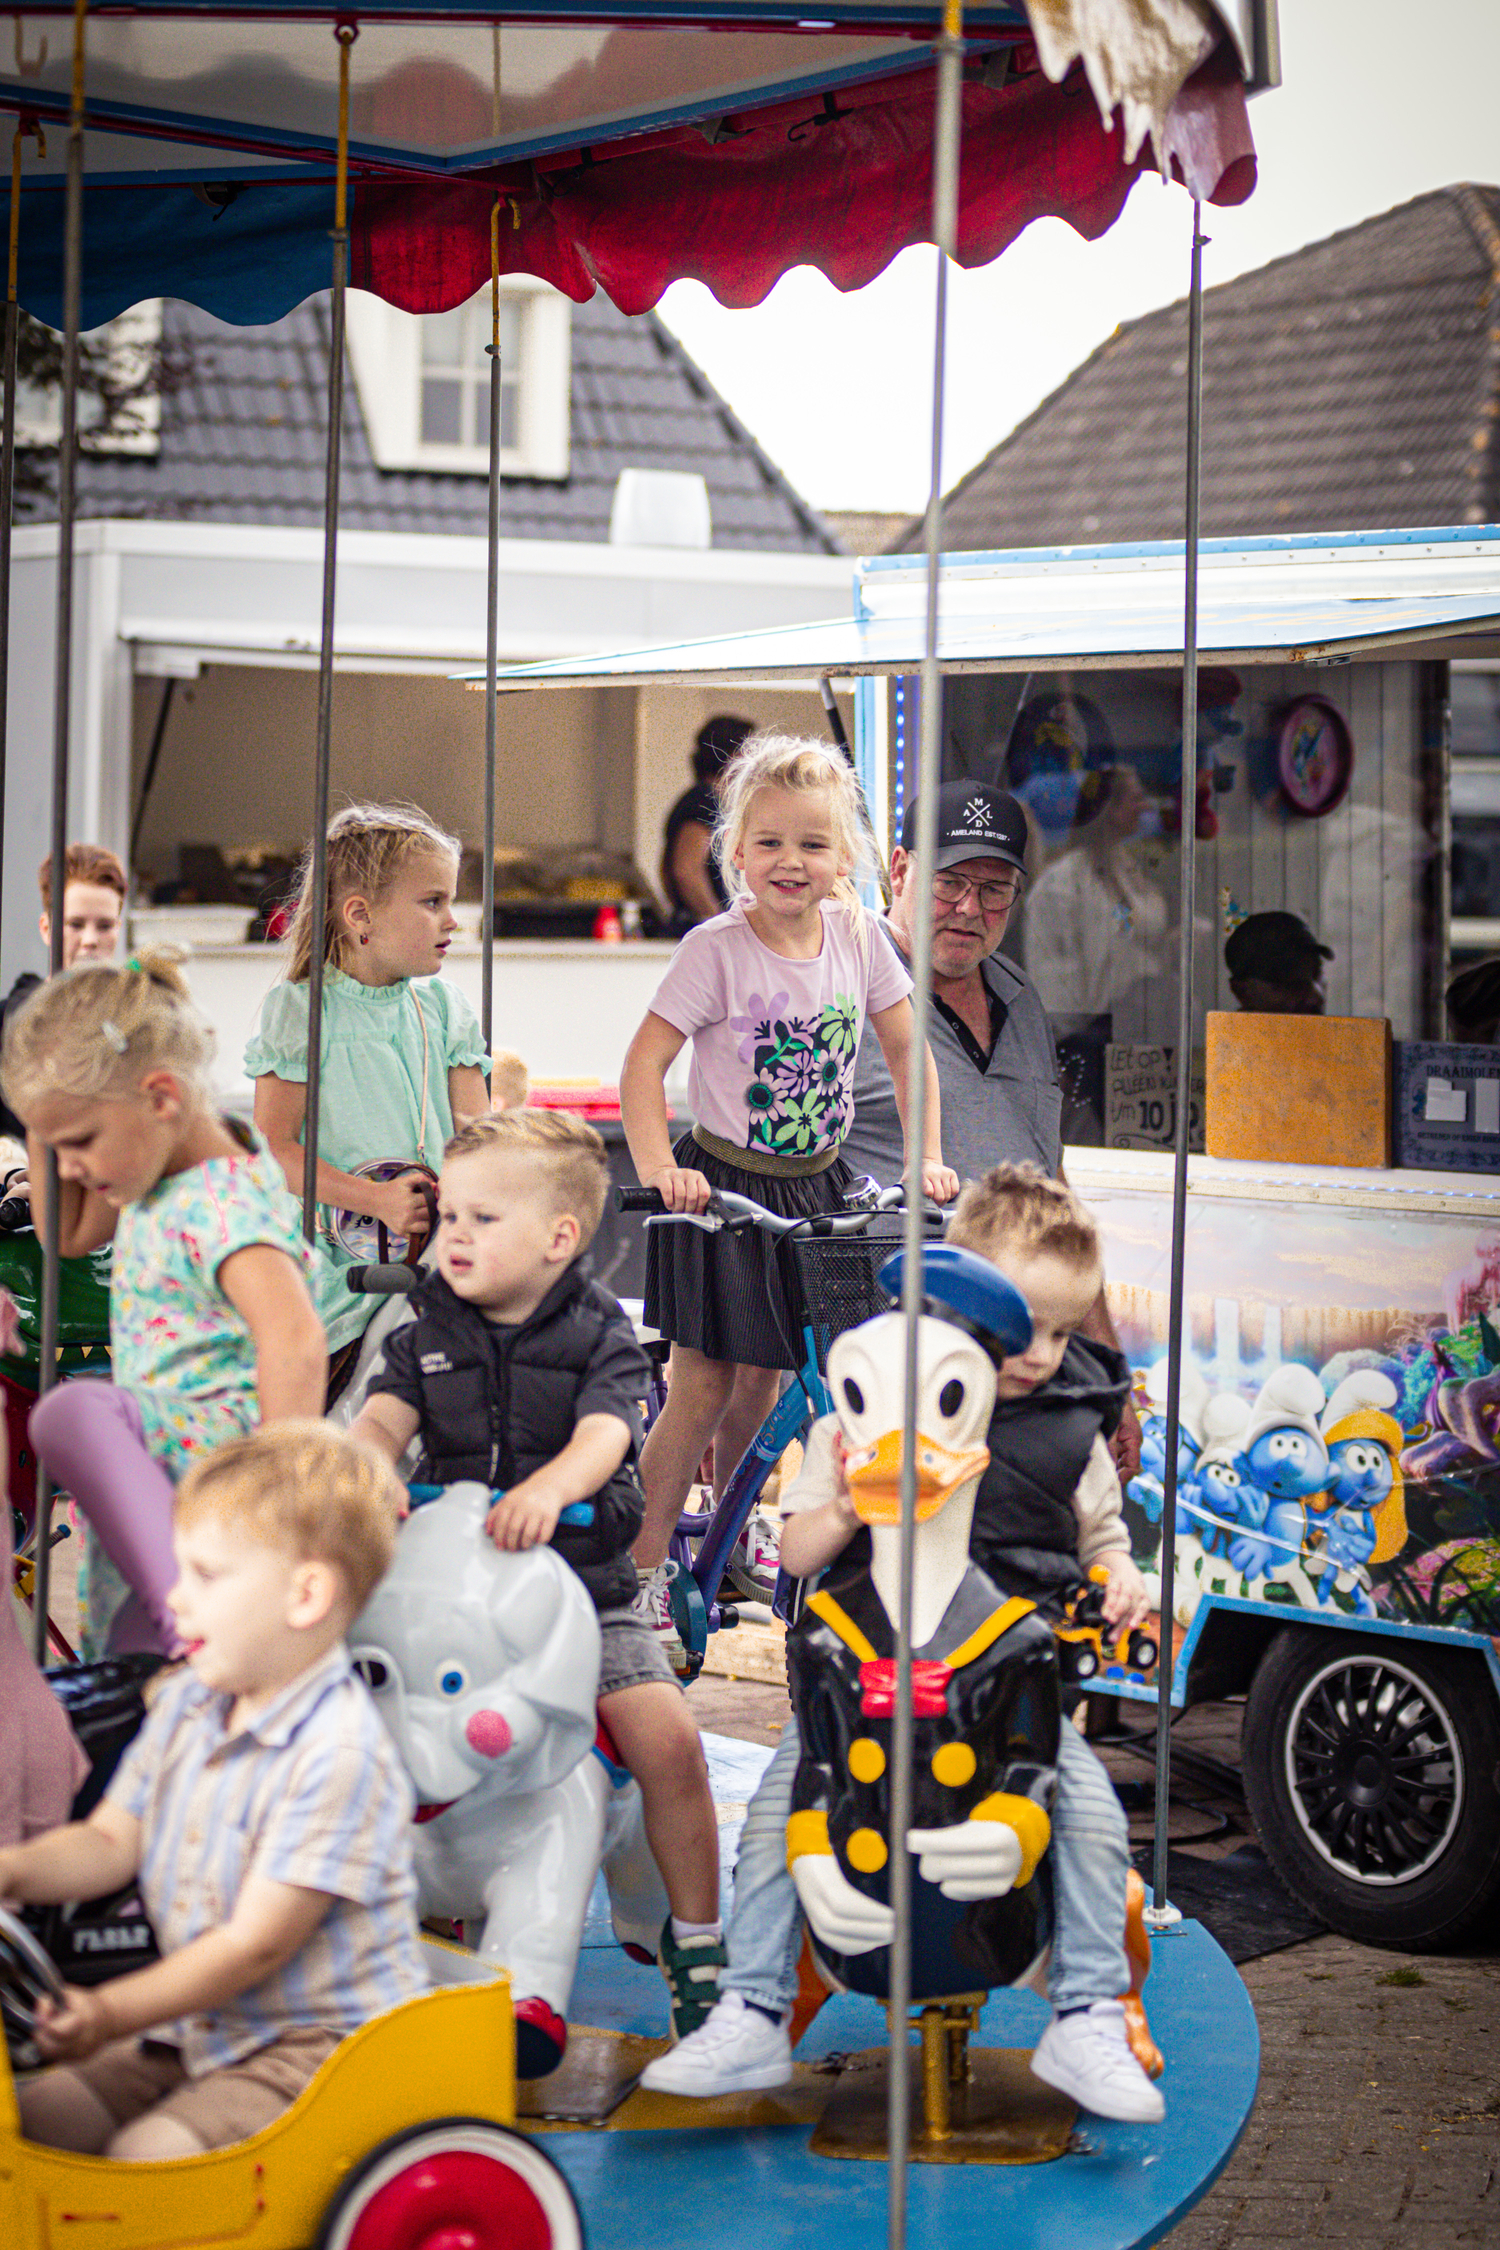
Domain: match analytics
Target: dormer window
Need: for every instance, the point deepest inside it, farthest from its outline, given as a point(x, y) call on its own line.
point(456, 375)
point(424, 381)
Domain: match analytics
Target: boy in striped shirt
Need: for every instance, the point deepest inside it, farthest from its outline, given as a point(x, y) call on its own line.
point(262, 1809)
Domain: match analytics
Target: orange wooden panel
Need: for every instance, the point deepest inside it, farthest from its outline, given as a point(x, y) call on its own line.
point(1299, 1089)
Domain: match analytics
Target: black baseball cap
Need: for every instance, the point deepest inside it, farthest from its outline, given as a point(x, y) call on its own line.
point(974, 821)
point(1274, 948)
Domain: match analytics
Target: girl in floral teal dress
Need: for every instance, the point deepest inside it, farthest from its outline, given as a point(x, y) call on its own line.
point(773, 995)
point(402, 1056)
point(212, 1325)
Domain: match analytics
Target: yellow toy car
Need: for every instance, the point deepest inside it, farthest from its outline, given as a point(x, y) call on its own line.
point(1081, 1634)
point(403, 2140)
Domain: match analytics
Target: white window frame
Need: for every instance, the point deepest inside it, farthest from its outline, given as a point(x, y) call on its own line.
point(132, 338)
point(385, 351)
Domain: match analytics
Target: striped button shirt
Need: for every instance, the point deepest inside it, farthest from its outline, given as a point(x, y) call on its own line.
point(309, 1793)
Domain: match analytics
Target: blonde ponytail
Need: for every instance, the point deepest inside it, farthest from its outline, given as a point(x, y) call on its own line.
point(97, 1030)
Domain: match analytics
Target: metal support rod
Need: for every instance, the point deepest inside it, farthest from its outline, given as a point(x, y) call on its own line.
point(945, 160)
point(8, 461)
point(1186, 870)
point(491, 656)
point(317, 874)
point(153, 758)
point(67, 498)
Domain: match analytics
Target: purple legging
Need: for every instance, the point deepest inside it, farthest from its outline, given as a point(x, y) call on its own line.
point(89, 1438)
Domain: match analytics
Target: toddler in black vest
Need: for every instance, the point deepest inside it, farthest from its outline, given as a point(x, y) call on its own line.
point(1048, 1508)
point(521, 1372)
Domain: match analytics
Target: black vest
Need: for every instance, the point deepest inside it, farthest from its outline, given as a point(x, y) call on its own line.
point(498, 1403)
point(1025, 1530)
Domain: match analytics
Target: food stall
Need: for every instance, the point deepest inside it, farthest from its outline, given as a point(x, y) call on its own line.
point(1342, 1314)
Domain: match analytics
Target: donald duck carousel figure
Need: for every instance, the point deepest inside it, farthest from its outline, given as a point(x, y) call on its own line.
point(986, 1718)
point(985, 1687)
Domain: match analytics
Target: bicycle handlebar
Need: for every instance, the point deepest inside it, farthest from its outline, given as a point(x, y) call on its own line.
point(383, 1281)
point(738, 1210)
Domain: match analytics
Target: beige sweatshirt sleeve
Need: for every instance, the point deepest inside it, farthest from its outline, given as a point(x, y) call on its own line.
point(1098, 1505)
point(818, 1478)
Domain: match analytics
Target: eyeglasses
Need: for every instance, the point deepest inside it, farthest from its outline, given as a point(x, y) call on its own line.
point(993, 898)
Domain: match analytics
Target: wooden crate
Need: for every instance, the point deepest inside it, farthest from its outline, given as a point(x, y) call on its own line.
point(1299, 1089)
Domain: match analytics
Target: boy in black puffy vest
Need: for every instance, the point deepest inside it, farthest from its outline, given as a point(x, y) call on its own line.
point(1048, 1508)
point(522, 1373)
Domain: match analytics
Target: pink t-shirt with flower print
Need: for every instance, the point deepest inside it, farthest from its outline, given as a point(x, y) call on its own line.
point(774, 1040)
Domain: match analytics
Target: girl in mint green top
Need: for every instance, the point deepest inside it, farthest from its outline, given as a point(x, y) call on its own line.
point(402, 1058)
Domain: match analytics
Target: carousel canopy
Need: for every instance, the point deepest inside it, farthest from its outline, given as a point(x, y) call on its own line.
point(1314, 599)
point(631, 144)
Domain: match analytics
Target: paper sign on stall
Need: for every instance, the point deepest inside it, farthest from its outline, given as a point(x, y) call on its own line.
point(1140, 1098)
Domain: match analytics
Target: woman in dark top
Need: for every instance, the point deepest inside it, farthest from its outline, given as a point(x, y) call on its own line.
point(689, 872)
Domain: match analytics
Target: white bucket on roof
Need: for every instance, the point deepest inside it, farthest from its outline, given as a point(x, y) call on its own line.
point(660, 508)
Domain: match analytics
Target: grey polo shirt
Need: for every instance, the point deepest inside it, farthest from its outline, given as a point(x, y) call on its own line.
point(1010, 1113)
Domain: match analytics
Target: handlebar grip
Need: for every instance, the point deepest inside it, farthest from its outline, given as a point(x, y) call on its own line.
point(638, 1199)
point(382, 1281)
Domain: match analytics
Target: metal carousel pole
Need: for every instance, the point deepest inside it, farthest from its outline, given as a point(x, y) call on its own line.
point(67, 497)
point(491, 655)
point(8, 453)
point(945, 162)
point(345, 33)
point(1159, 1914)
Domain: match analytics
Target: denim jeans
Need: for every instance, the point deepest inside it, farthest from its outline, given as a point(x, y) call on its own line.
point(764, 1939)
point(1089, 1856)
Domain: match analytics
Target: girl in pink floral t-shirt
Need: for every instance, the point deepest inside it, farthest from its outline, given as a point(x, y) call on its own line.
point(773, 995)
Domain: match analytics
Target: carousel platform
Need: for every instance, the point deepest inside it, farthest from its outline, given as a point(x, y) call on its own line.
point(656, 2168)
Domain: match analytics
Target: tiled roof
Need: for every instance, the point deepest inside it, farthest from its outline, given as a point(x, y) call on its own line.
point(866, 531)
point(1354, 386)
point(243, 441)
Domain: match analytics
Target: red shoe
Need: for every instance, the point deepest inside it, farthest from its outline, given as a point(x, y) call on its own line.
point(541, 2038)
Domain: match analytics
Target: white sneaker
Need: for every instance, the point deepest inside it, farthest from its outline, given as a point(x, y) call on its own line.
point(1086, 2054)
point(653, 1605)
point(736, 2051)
point(755, 1559)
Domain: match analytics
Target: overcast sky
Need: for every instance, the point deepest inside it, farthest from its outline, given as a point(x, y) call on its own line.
point(1381, 102)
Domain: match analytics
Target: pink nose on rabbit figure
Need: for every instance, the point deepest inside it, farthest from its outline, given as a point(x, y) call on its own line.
point(488, 1733)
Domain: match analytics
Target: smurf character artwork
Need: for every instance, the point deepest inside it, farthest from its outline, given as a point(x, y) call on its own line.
point(1363, 1516)
point(1222, 1501)
point(1146, 1487)
point(1283, 1443)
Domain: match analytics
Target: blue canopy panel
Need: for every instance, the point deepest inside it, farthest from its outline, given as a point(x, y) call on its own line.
point(1308, 599)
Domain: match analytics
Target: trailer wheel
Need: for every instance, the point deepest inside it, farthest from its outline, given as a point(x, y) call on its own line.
point(458, 2180)
point(1372, 1772)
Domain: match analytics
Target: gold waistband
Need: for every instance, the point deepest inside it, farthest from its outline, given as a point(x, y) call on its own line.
point(762, 1161)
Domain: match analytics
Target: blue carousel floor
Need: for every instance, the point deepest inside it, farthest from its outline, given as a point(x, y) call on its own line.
point(1128, 2185)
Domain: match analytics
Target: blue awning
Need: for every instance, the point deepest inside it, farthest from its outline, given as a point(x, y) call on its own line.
point(1310, 599)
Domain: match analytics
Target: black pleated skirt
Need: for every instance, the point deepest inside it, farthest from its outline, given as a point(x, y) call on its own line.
point(723, 1294)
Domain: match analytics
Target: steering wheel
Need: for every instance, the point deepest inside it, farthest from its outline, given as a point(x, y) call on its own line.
point(366, 1239)
point(27, 1974)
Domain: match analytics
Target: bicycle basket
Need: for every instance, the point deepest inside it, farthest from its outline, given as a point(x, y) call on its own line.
point(836, 1278)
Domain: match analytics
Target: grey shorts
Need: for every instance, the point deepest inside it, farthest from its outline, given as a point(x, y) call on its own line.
point(630, 1655)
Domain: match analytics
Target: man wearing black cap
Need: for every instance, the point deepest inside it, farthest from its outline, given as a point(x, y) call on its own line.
point(1275, 966)
point(989, 1035)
